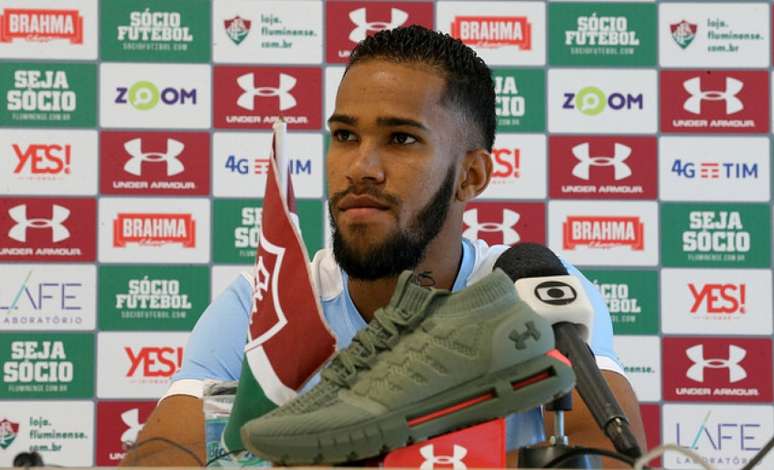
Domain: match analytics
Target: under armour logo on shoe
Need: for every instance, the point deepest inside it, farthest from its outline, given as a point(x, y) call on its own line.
point(455, 460)
point(247, 99)
point(586, 161)
point(58, 215)
point(509, 220)
point(735, 356)
point(733, 87)
point(520, 339)
point(131, 419)
point(134, 149)
point(358, 16)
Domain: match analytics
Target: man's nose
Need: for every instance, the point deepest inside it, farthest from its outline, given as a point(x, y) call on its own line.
point(367, 164)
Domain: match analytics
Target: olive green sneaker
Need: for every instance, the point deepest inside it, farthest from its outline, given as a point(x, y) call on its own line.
point(473, 356)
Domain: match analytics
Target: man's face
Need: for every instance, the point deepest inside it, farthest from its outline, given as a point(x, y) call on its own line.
point(391, 166)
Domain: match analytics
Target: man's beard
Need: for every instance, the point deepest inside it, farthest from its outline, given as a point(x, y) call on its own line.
point(401, 250)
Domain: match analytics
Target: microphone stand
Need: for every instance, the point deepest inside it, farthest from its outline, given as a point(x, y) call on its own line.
point(559, 443)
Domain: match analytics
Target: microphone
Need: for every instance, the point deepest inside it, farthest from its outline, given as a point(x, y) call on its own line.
point(542, 282)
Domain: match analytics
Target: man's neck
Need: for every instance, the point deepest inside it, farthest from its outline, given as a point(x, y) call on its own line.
point(440, 264)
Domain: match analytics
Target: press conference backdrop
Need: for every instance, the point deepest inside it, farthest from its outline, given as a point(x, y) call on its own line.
point(633, 139)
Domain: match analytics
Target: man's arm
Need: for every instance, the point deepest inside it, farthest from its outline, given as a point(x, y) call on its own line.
point(179, 419)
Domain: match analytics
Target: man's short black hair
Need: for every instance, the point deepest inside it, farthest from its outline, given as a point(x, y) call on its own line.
point(469, 83)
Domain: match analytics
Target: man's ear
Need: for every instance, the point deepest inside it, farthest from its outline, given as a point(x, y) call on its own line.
point(476, 173)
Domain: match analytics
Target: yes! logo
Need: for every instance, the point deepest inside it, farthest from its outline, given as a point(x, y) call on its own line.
point(153, 362)
point(145, 95)
point(716, 298)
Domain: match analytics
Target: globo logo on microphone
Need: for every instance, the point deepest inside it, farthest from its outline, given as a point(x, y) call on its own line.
point(555, 293)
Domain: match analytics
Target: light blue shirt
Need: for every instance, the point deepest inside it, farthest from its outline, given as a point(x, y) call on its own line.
point(215, 348)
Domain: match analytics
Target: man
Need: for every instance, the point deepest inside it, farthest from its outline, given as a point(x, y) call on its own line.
point(411, 134)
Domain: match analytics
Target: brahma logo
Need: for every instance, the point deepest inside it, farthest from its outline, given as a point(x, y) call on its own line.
point(348, 23)
point(692, 102)
point(603, 232)
point(41, 25)
point(716, 298)
point(47, 229)
point(154, 163)
point(42, 161)
point(504, 223)
point(154, 229)
point(237, 28)
point(153, 362)
point(8, 432)
point(250, 97)
point(493, 31)
point(718, 369)
point(683, 33)
point(602, 167)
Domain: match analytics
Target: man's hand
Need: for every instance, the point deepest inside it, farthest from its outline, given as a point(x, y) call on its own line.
point(179, 419)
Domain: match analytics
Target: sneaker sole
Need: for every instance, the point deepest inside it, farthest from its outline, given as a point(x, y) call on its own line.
point(520, 388)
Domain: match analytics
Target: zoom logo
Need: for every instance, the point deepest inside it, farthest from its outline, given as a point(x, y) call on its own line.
point(591, 101)
point(145, 95)
point(555, 293)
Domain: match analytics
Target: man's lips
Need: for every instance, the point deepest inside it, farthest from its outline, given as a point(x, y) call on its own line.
point(361, 202)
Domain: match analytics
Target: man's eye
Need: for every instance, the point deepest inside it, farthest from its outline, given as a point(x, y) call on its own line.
point(403, 139)
point(342, 135)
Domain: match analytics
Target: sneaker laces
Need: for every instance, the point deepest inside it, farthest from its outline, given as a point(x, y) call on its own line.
point(380, 334)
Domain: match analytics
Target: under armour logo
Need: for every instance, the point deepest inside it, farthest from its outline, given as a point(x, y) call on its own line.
point(509, 220)
point(247, 83)
point(520, 339)
point(58, 215)
point(134, 149)
point(455, 460)
point(586, 161)
point(733, 87)
point(131, 419)
point(735, 356)
point(397, 18)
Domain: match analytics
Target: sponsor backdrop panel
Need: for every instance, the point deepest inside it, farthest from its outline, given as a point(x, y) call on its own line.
point(48, 297)
point(633, 138)
point(61, 431)
point(152, 297)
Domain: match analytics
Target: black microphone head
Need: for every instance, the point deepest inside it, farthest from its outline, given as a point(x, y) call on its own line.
point(525, 260)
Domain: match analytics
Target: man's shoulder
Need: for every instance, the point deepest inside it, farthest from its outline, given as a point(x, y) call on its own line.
point(484, 258)
point(326, 275)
